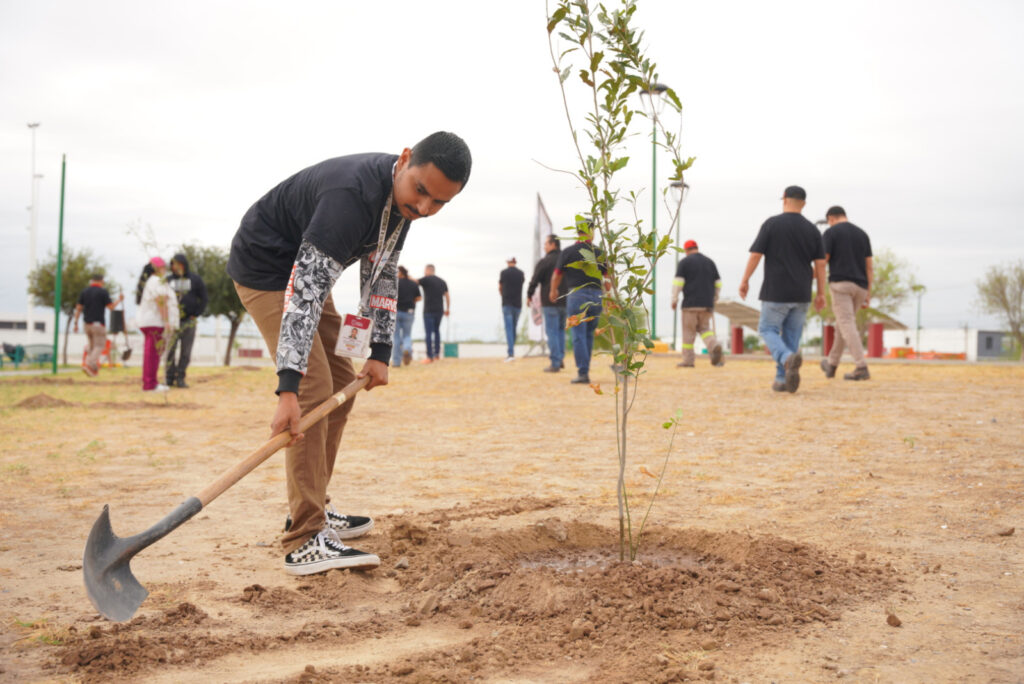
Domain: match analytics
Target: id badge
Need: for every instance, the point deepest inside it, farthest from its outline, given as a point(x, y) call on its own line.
point(354, 338)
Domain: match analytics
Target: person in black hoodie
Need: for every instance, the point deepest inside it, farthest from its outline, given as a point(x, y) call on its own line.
point(554, 311)
point(192, 301)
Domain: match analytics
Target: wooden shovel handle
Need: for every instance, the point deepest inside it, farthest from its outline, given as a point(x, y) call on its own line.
point(222, 483)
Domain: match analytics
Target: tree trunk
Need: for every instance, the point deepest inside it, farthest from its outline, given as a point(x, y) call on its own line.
point(235, 322)
point(67, 332)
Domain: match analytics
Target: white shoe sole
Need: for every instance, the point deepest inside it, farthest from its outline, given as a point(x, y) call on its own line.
point(353, 532)
point(368, 560)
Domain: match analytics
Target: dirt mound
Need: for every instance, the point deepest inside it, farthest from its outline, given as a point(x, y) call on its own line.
point(552, 590)
point(37, 401)
point(135, 405)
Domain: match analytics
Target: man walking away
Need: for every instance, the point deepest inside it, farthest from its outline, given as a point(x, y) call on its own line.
point(436, 304)
point(510, 287)
point(850, 274)
point(94, 301)
point(192, 300)
point(697, 278)
point(583, 303)
point(790, 244)
point(408, 295)
point(553, 309)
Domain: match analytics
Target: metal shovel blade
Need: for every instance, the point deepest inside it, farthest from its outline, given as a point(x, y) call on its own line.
point(109, 582)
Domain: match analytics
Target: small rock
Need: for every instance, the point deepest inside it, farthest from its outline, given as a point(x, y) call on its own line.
point(465, 624)
point(402, 564)
point(412, 621)
point(861, 556)
point(404, 670)
point(310, 669)
point(709, 644)
point(706, 665)
point(688, 622)
point(580, 628)
point(1006, 532)
point(661, 659)
point(766, 595)
point(727, 585)
point(428, 605)
point(893, 620)
point(95, 632)
point(775, 620)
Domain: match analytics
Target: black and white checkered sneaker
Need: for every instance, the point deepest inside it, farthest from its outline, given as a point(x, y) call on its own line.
point(323, 552)
point(347, 526)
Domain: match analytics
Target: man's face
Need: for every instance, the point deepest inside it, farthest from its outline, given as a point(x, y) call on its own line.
point(549, 246)
point(178, 268)
point(421, 190)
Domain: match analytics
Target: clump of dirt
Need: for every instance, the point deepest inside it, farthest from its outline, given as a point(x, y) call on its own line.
point(135, 405)
point(550, 591)
point(37, 401)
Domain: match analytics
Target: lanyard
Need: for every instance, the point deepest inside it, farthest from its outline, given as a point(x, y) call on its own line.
point(384, 250)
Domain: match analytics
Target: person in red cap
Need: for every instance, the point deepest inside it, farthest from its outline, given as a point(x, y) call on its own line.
point(157, 318)
point(698, 280)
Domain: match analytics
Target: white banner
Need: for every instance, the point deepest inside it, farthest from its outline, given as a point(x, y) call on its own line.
point(541, 229)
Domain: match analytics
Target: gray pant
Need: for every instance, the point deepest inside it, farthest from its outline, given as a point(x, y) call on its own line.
point(847, 298)
point(96, 333)
point(183, 337)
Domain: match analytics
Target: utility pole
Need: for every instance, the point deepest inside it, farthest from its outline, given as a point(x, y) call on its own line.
point(33, 230)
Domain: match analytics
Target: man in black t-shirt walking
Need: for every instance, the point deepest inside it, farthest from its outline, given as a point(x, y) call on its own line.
point(290, 249)
point(408, 295)
point(698, 280)
point(436, 304)
point(552, 308)
point(790, 245)
point(510, 287)
point(583, 303)
point(94, 301)
point(850, 275)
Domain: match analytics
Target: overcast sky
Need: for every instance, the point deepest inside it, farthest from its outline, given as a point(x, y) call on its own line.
point(180, 115)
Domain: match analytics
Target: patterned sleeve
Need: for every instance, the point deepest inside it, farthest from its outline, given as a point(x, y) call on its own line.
point(383, 305)
point(313, 275)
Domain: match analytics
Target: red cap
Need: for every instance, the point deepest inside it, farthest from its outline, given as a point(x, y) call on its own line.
point(690, 244)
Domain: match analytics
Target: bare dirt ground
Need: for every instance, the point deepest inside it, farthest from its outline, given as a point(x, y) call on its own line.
point(788, 530)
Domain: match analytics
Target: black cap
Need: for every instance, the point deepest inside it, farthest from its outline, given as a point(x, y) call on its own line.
point(794, 192)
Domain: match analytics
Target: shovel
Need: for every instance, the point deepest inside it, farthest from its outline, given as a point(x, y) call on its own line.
point(109, 581)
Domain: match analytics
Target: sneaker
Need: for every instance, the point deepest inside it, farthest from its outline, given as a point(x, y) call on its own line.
point(859, 373)
point(828, 368)
point(552, 368)
point(89, 371)
point(778, 386)
point(716, 356)
point(792, 367)
point(158, 388)
point(346, 526)
point(426, 360)
point(406, 357)
point(324, 551)
point(510, 359)
point(581, 379)
point(683, 364)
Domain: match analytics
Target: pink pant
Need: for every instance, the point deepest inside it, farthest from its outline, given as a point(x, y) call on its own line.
point(151, 356)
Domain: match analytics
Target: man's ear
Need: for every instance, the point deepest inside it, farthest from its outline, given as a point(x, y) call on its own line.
point(403, 159)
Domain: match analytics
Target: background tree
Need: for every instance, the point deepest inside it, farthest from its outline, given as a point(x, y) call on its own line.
point(1001, 292)
point(210, 264)
point(79, 266)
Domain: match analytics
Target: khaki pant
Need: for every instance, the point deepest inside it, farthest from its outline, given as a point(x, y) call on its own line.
point(847, 299)
point(697, 321)
point(310, 463)
point(96, 333)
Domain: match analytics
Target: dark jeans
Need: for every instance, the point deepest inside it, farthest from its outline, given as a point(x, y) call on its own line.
point(185, 336)
point(584, 303)
point(554, 328)
point(511, 316)
point(432, 323)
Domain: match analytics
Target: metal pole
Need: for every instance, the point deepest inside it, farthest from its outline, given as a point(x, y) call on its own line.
point(60, 263)
point(675, 312)
point(654, 223)
point(917, 341)
point(33, 229)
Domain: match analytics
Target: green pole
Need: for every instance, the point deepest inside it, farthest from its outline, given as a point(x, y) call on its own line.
point(654, 224)
point(60, 263)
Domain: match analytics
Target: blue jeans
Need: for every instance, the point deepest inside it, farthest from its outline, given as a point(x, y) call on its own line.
point(583, 334)
point(511, 316)
point(432, 323)
point(403, 336)
point(554, 328)
point(781, 325)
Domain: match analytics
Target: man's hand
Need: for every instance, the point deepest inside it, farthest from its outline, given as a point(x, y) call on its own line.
point(378, 372)
point(76, 327)
point(553, 295)
point(445, 313)
point(819, 302)
point(867, 301)
point(286, 417)
point(675, 302)
point(744, 287)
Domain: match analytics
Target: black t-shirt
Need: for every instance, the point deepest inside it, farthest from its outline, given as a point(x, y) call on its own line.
point(575, 277)
point(94, 300)
point(433, 293)
point(849, 247)
point(700, 274)
point(789, 243)
point(336, 205)
point(408, 291)
point(542, 273)
point(511, 281)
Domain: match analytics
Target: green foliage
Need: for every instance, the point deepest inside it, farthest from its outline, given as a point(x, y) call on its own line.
point(894, 283)
point(1001, 292)
point(601, 46)
point(210, 264)
point(752, 343)
point(78, 267)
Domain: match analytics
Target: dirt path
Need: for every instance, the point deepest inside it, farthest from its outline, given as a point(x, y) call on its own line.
point(788, 528)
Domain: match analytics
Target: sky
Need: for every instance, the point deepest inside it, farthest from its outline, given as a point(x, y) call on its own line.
point(178, 116)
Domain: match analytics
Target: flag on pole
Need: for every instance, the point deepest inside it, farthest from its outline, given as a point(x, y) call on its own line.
point(542, 228)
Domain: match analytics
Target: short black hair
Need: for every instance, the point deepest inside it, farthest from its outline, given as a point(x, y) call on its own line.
point(446, 151)
point(96, 276)
point(835, 211)
point(403, 271)
point(553, 239)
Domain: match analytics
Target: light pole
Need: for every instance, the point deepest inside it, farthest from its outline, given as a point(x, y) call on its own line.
point(679, 191)
point(32, 231)
point(918, 290)
point(653, 102)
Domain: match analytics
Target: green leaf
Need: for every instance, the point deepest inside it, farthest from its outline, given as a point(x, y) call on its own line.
point(556, 17)
point(667, 424)
point(564, 75)
point(585, 77)
point(595, 60)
